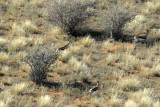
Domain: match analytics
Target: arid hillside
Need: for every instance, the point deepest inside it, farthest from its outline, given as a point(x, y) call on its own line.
point(79, 53)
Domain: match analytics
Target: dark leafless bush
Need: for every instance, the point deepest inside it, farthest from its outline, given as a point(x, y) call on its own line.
point(68, 14)
point(116, 18)
point(40, 61)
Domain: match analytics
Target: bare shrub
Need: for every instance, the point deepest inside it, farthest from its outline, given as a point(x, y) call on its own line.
point(116, 18)
point(68, 14)
point(40, 60)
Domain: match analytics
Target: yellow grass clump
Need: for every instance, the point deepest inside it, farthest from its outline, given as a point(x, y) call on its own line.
point(138, 24)
point(2, 104)
point(29, 26)
point(130, 103)
point(112, 58)
point(5, 68)
point(17, 30)
point(44, 101)
point(65, 55)
point(25, 67)
point(145, 101)
point(156, 104)
point(2, 41)
point(151, 7)
point(86, 59)
point(98, 102)
point(5, 98)
point(17, 44)
point(87, 41)
point(3, 57)
point(21, 54)
point(38, 41)
point(76, 65)
point(23, 28)
point(18, 3)
point(132, 62)
point(143, 97)
point(57, 31)
point(115, 101)
point(18, 88)
point(37, 2)
point(75, 49)
point(107, 44)
point(129, 83)
point(155, 33)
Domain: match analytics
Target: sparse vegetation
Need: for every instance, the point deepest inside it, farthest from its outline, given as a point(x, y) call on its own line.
point(44, 101)
point(87, 41)
point(77, 66)
point(68, 14)
point(116, 17)
point(52, 52)
point(40, 61)
point(129, 84)
point(17, 44)
point(18, 88)
point(3, 57)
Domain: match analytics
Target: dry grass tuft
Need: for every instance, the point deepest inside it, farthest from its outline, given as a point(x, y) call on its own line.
point(2, 41)
point(87, 41)
point(107, 45)
point(112, 58)
point(3, 57)
point(17, 30)
point(17, 44)
point(156, 104)
point(143, 97)
point(98, 102)
point(44, 101)
point(129, 83)
point(2, 104)
point(136, 24)
point(5, 69)
point(130, 103)
point(38, 41)
point(28, 26)
point(18, 88)
point(75, 49)
point(25, 67)
point(115, 101)
point(86, 59)
point(23, 28)
point(38, 3)
point(145, 101)
point(131, 62)
point(57, 31)
point(151, 7)
point(5, 98)
point(155, 33)
point(65, 55)
point(76, 65)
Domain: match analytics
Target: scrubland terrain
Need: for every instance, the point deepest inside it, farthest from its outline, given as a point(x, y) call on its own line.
point(99, 35)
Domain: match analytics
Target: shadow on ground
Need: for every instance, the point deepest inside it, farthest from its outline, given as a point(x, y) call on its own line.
point(58, 85)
